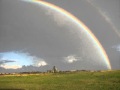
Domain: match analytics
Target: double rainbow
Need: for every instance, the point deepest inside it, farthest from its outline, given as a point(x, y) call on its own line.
point(80, 24)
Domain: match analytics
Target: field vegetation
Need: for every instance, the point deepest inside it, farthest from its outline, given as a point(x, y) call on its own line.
point(106, 80)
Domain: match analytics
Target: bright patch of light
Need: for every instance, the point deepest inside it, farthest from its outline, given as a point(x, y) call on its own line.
point(20, 58)
point(11, 66)
point(70, 59)
point(42, 63)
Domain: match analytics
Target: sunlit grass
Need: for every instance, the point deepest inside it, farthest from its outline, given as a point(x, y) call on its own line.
point(109, 80)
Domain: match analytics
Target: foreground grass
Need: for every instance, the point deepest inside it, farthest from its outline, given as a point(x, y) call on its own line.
point(109, 80)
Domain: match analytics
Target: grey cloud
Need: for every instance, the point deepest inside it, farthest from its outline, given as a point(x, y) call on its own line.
point(26, 26)
point(6, 61)
point(105, 16)
point(116, 47)
point(95, 21)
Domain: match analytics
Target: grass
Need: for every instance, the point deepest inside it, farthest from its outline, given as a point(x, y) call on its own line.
point(109, 80)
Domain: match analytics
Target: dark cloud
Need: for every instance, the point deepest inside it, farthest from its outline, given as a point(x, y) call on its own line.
point(97, 23)
point(5, 61)
point(27, 26)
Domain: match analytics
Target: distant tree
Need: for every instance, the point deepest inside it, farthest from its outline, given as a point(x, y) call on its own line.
point(54, 69)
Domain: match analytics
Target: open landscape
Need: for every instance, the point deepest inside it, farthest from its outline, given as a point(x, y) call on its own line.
point(82, 80)
point(59, 44)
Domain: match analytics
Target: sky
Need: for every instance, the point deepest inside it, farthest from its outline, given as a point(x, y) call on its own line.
point(102, 17)
point(35, 35)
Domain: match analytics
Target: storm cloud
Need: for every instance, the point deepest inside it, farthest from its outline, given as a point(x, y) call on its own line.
point(50, 41)
point(5, 61)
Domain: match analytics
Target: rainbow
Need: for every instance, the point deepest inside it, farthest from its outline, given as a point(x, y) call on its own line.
point(80, 24)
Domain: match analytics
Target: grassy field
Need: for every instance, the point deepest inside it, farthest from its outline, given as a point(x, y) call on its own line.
point(109, 80)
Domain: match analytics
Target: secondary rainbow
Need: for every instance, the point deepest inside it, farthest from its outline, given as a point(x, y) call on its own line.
point(80, 24)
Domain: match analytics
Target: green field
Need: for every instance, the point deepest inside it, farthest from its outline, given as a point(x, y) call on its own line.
point(108, 80)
